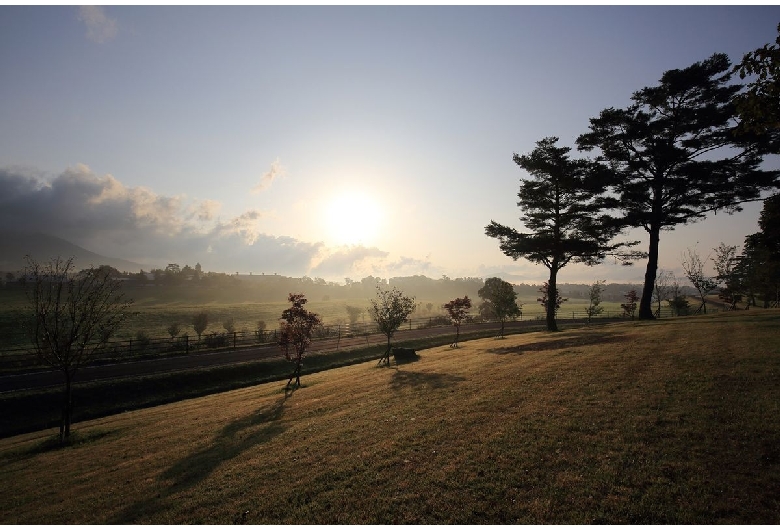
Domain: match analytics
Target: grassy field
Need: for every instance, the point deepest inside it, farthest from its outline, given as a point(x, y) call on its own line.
point(154, 315)
point(673, 421)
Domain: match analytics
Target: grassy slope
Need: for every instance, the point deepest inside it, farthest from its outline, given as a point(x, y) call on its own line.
point(676, 421)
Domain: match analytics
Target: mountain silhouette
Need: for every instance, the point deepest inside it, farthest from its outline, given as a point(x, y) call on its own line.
point(14, 246)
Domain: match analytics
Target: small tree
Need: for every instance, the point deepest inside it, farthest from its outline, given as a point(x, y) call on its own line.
point(693, 267)
point(297, 327)
point(200, 322)
point(728, 277)
point(229, 325)
point(174, 330)
point(499, 301)
point(629, 308)
point(71, 318)
point(458, 310)
point(662, 288)
point(260, 330)
point(389, 310)
point(594, 294)
point(545, 300)
point(679, 305)
point(354, 313)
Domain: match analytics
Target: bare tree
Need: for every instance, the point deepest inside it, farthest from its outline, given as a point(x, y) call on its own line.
point(663, 287)
point(693, 267)
point(389, 310)
point(296, 330)
point(72, 316)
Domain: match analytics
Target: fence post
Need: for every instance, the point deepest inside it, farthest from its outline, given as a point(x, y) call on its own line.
point(186, 344)
point(234, 340)
point(130, 347)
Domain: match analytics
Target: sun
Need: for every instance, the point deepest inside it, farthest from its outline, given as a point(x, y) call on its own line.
point(353, 218)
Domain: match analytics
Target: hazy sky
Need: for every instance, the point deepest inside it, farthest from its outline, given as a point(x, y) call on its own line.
point(327, 141)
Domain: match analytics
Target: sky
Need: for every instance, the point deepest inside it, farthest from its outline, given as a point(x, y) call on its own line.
point(332, 142)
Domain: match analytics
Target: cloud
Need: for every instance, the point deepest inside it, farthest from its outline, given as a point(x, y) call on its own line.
point(205, 210)
point(346, 261)
point(103, 215)
point(277, 170)
point(244, 225)
point(100, 27)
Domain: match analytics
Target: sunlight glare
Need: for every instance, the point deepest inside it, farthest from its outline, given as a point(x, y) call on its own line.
point(353, 218)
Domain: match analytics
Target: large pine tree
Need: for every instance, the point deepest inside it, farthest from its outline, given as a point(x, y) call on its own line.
point(673, 155)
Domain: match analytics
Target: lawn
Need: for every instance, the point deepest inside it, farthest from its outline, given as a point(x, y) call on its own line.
point(673, 421)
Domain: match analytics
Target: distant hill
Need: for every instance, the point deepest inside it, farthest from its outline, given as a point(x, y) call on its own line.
point(14, 246)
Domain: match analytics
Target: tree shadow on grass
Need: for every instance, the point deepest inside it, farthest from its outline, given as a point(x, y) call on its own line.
point(233, 440)
point(423, 380)
point(568, 342)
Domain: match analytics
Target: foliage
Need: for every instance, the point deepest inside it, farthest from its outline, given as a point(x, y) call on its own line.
point(545, 298)
point(229, 325)
point(661, 155)
point(499, 301)
point(216, 340)
point(458, 310)
point(728, 279)
point(297, 327)
point(71, 318)
point(594, 298)
point(629, 307)
point(389, 310)
point(759, 105)
point(693, 267)
point(174, 330)
point(565, 207)
point(679, 305)
point(354, 313)
point(760, 263)
point(200, 321)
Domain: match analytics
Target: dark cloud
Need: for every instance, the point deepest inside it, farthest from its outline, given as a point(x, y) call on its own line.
point(103, 215)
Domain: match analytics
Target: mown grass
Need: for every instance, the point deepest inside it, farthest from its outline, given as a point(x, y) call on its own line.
point(674, 421)
point(32, 410)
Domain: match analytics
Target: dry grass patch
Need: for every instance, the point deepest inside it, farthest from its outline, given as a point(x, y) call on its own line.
point(666, 422)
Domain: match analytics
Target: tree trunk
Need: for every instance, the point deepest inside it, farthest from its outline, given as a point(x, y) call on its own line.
point(552, 298)
point(386, 356)
point(67, 408)
point(645, 303)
